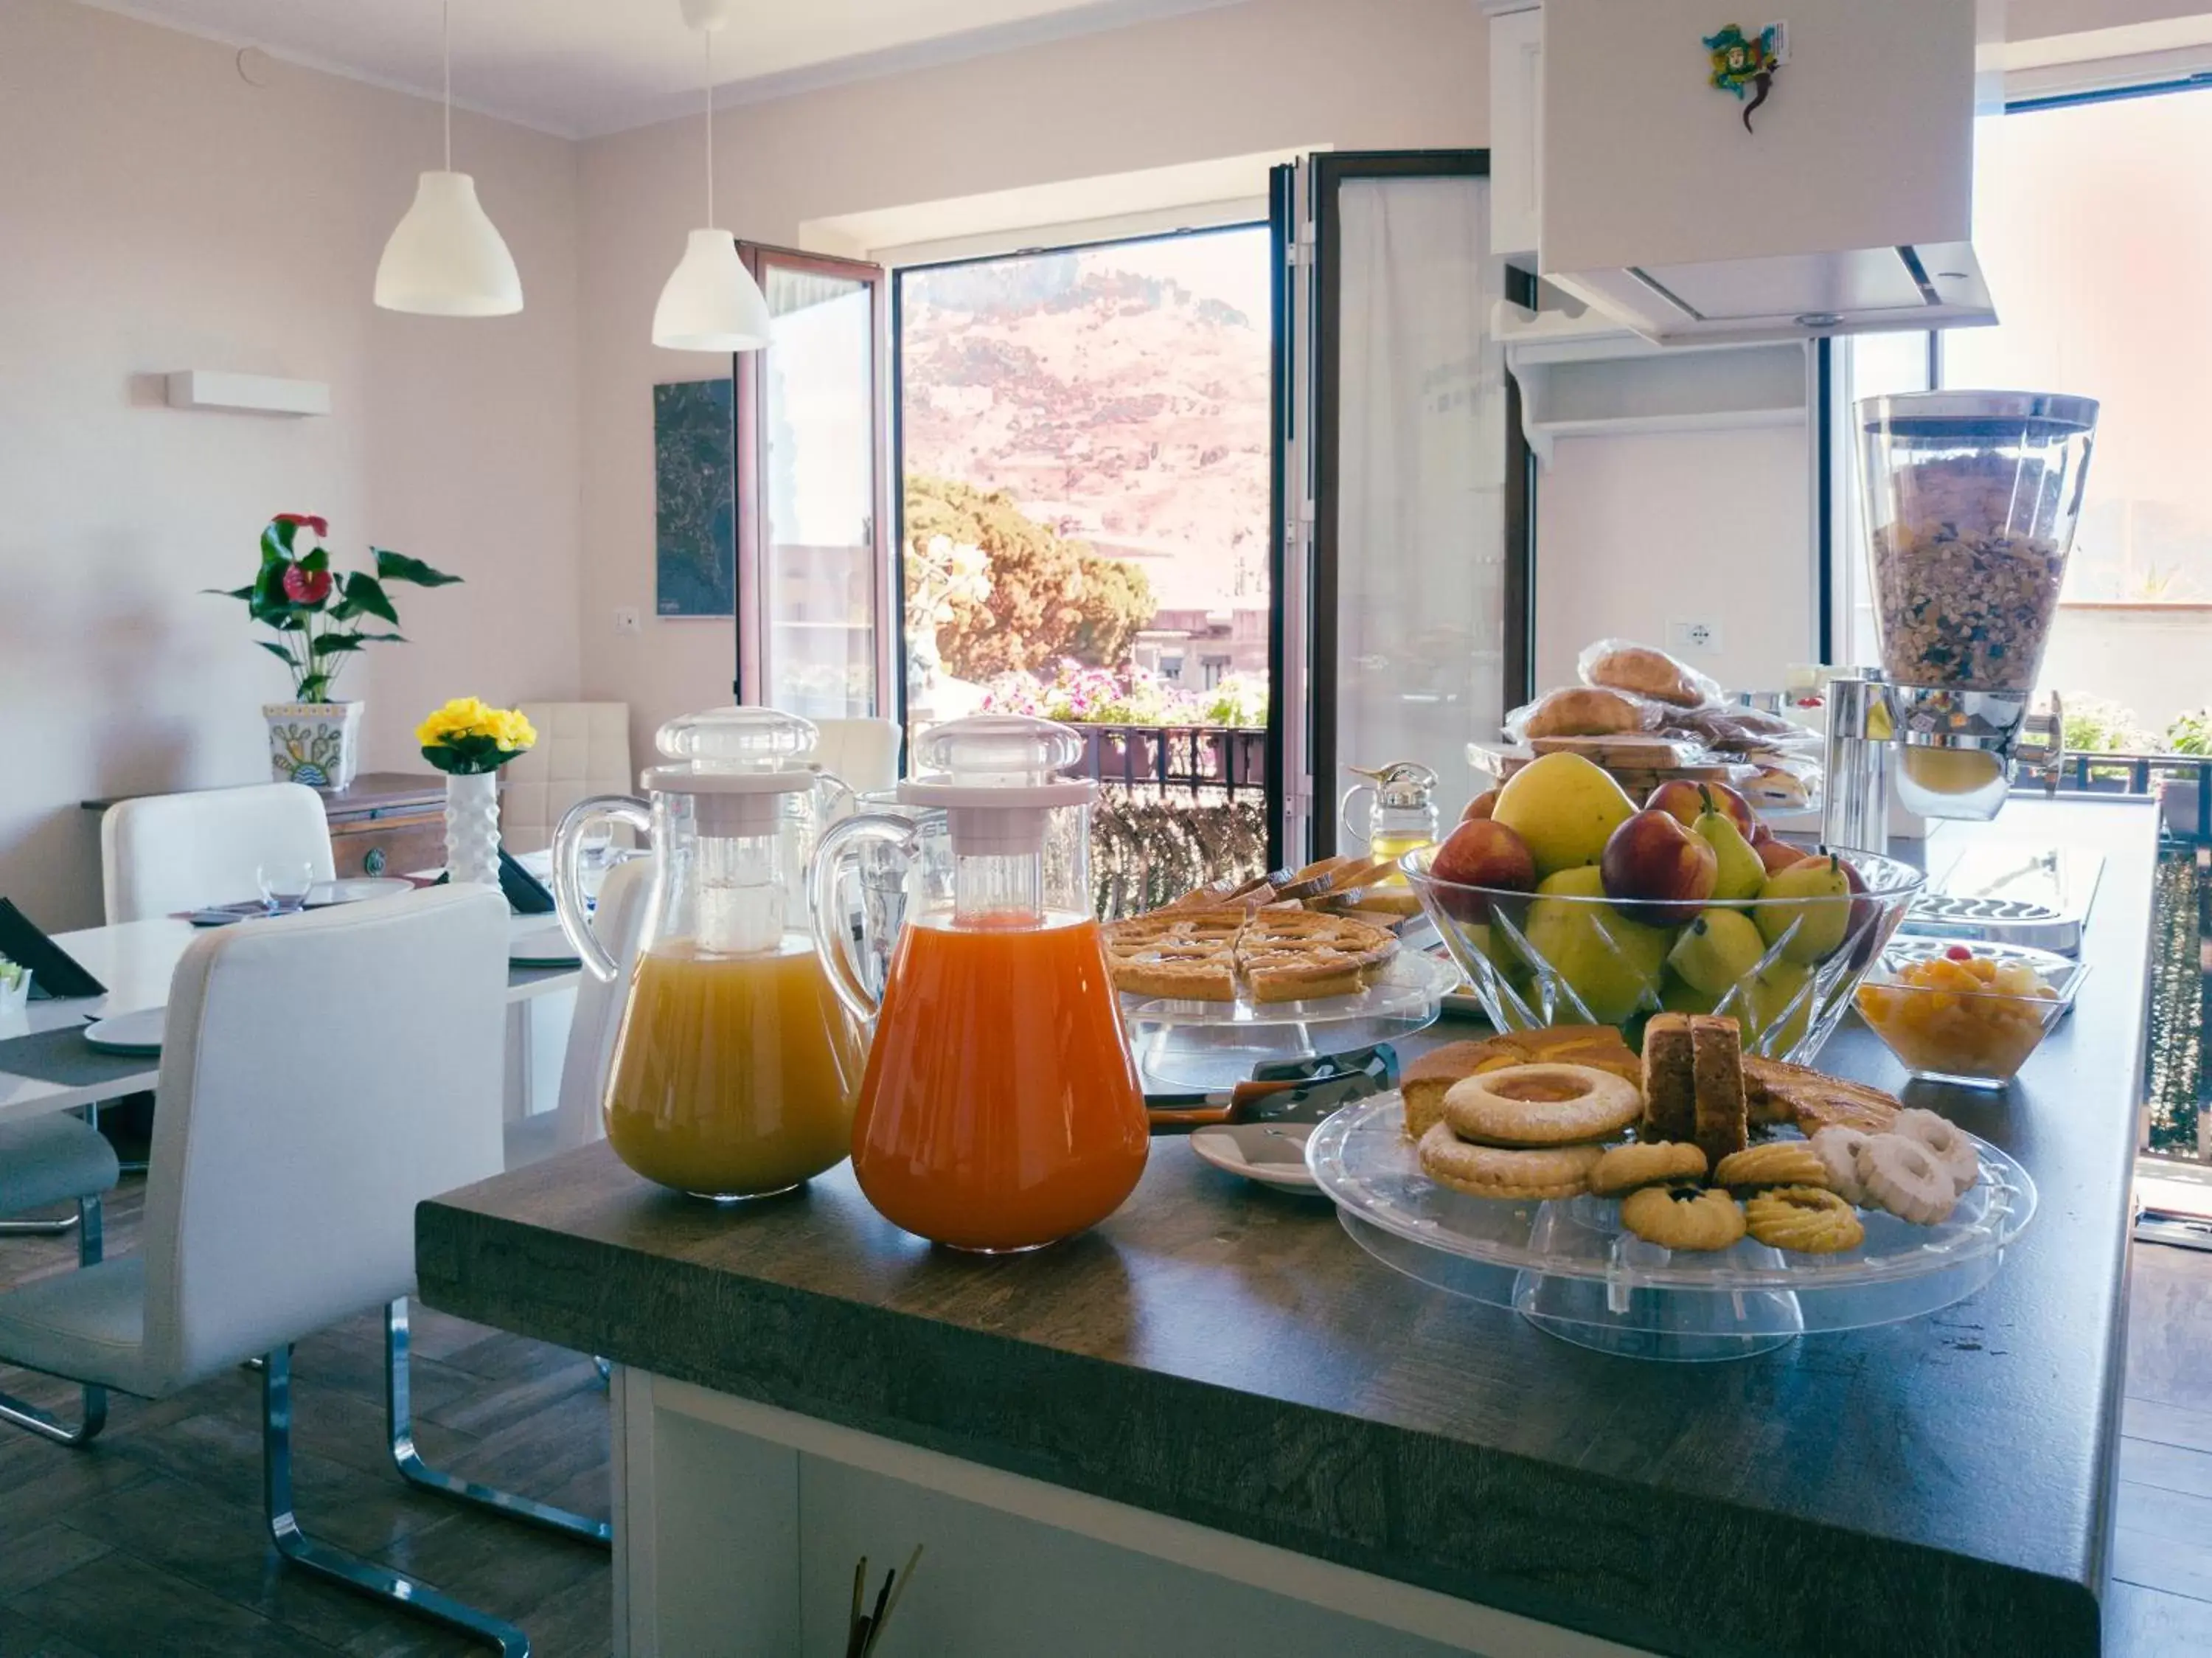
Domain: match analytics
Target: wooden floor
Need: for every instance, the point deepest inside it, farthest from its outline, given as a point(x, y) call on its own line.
point(148, 1545)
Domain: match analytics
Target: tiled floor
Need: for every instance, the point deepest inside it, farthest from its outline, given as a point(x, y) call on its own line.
point(149, 1545)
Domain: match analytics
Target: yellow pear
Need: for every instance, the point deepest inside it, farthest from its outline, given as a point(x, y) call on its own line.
point(1564, 807)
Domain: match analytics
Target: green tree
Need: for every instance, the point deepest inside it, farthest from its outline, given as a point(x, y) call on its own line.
point(1050, 597)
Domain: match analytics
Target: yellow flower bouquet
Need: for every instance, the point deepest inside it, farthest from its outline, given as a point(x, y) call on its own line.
point(467, 738)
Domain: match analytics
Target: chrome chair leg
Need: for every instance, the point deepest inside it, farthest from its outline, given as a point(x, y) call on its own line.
point(37, 1229)
point(360, 1575)
point(90, 1241)
point(398, 1416)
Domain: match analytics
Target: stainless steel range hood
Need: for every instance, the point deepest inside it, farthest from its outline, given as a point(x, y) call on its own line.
point(1845, 204)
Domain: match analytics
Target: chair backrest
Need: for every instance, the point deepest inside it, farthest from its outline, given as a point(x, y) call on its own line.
point(864, 753)
point(618, 921)
point(582, 749)
point(321, 1075)
point(164, 853)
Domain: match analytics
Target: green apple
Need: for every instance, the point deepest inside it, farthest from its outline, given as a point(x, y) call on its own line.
point(1742, 873)
point(1815, 901)
point(1565, 808)
point(1612, 963)
point(1716, 949)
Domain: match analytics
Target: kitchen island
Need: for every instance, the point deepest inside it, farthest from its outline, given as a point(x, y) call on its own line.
point(1214, 1425)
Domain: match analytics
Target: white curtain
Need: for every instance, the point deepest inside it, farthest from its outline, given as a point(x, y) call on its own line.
point(1421, 472)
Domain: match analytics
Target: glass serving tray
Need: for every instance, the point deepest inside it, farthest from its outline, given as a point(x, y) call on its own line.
point(1570, 1268)
point(1215, 1044)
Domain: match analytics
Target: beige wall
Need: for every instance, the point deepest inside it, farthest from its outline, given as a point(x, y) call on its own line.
point(157, 212)
point(1267, 74)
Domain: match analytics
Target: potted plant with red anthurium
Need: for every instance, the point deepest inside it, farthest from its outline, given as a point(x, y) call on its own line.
point(320, 619)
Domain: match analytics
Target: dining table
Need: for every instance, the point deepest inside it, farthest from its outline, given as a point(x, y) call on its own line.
point(45, 1066)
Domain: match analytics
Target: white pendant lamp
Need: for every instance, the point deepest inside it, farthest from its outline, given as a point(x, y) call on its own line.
point(711, 303)
point(446, 259)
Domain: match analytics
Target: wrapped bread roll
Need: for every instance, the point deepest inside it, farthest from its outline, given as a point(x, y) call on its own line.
point(1618, 665)
point(1579, 711)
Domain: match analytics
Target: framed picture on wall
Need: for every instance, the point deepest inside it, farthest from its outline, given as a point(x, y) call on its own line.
point(694, 499)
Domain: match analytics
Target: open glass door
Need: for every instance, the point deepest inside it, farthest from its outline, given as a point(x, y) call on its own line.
point(814, 558)
point(1417, 616)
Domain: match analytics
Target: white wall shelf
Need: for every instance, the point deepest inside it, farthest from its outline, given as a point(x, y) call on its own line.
point(209, 388)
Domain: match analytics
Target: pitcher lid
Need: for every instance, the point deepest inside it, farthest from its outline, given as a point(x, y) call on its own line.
point(737, 750)
point(1006, 767)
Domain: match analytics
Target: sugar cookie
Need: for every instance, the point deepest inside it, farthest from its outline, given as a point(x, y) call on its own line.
point(1496, 1172)
point(1683, 1217)
point(1837, 1148)
point(1903, 1177)
point(1779, 1162)
point(1647, 1162)
point(1946, 1142)
point(1541, 1104)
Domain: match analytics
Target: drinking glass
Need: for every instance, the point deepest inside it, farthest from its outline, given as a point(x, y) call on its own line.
point(284, 886)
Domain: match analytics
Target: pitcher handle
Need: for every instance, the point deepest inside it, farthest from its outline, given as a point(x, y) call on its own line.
point(831, 946)
point(1344, 811)
point(840, 796)
point(567, 874)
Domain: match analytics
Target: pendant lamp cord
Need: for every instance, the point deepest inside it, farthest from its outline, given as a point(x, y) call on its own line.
point(446, 53)
point(708, 35)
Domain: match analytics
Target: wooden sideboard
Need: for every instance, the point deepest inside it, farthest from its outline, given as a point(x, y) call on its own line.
point(388, 823)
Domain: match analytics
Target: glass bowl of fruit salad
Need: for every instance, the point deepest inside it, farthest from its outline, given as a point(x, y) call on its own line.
point(1566, 902)
point(1966, 1014)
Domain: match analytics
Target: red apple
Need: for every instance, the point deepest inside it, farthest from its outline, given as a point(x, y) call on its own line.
point(1759, 833)
point(1659, 871)
point(1479, 807)
point(1777, 854)
point(1681, 798)
point(1481, 853)
point(1860, 927)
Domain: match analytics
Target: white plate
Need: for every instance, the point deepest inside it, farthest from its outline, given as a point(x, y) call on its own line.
point(1273, 1154)
point(138, 1032)
point(549, 947)
point(325, 893)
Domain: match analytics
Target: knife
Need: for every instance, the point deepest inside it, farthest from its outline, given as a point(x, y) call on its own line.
point(1281, 1091)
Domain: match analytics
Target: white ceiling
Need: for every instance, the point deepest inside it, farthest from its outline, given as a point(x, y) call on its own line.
point(583, 67)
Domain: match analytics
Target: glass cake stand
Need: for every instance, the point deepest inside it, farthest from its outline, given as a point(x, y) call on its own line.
point(1215, 1044)
point(1570, 1268)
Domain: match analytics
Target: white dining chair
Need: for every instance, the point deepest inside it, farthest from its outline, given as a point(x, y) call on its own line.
point(582, 749)
point(161, 854)
point(864, 754)
point(575, 1121)
point(46, 1160)
point(288, 1156)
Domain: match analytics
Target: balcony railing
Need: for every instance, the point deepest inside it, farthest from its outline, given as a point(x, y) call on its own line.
point(1230, 759)
point(1181, 807)
point(2183, 783)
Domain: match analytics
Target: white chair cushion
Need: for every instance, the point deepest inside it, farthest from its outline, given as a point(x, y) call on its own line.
point(582, 749)
point(165, 853)
point(52, 1160)
point(88, 1325)
point(863, 755)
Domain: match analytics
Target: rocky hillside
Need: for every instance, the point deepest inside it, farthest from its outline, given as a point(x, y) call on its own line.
point(1116, 405)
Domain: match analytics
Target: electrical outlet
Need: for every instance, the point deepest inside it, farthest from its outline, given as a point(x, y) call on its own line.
point(626, 619)
point(1704, 637)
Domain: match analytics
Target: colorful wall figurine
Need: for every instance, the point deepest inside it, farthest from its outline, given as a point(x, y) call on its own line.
point(1744, 62)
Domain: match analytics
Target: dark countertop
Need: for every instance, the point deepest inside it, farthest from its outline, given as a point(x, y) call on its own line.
point(1224, 1354)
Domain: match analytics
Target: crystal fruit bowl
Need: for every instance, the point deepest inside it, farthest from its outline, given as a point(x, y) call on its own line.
point(1783, 968)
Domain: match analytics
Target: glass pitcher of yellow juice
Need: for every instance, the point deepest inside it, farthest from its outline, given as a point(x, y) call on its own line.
point(735, 1067)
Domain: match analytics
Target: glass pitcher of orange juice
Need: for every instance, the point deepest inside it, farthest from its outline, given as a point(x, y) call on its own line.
point(1000, 1110)
point(735, 1066)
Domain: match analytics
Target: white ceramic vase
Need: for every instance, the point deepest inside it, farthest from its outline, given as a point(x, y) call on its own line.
point(472, 827)
point(318, 744)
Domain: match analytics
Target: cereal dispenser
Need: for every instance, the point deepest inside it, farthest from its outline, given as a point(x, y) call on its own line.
point(1971, 501)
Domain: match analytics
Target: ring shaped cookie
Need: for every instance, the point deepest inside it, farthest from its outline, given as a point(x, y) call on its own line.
point(1541, 1104)
point(1646, 1162)
point(1683, 1217)
point(1837, 1148)
point(1945, 1141)
point(1808, 1220)
point(1905, 1178)
point(1496, 1172)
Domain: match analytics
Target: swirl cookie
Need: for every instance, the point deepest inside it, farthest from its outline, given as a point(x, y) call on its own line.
point(1904, 1177)
point(1945, 1142)
point(1777, 1162)
point(1683, 1217)
point(1541, 1104)
point(1807, 1220)
point(1499, 1171)
point(1647, 1162)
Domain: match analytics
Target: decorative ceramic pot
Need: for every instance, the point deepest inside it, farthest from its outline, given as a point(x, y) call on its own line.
point(472, 826)
point(315, 743)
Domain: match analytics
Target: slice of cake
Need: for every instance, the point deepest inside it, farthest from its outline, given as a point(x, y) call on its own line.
point(1670, 1088)
point(1716, 1057)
